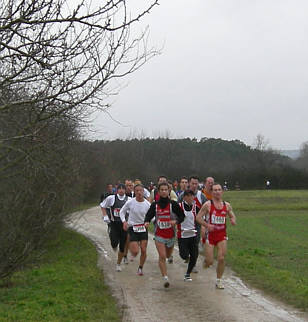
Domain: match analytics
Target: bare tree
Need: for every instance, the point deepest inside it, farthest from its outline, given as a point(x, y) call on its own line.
point(66, 55)
point(261, 143)
point(59, 61)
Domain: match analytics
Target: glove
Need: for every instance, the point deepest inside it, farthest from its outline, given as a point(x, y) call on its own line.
point(106, 219)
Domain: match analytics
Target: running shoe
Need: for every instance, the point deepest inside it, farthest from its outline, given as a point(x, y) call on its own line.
point(194, 270)
point(125, 260)
point(187, 278)
point(219, 284)
point(166, 282)
point(170, 259)
point(118, 268)
point(140, 272)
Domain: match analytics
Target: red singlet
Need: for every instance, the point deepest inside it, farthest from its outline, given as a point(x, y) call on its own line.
point(218, 219)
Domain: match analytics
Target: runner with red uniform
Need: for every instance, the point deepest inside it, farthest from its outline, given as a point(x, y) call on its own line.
point(216, 210)
point(167, 214)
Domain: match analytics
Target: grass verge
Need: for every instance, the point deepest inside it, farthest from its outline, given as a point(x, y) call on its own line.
point(66, 286)
point(269, 246)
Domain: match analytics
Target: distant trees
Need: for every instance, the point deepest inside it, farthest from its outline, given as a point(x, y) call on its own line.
point(225, 160)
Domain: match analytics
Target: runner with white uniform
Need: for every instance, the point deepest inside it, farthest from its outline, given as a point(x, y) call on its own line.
point(134, 224)
point(187, 233)
point(117, 234)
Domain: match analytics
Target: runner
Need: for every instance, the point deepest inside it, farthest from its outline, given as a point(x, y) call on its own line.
point(167, 214)
point(183, 185)
point(109, 191)
point(217, 209)
point(199, 198)
point(117, 234)
point(134, 224)
point(208, 185)
point(154, 193)
point(129, 191)
point(187, 233)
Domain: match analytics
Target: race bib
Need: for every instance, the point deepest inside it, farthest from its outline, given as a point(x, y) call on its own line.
point(218, 220)
point(116, 212)
point(163, 224)
point(139, 229)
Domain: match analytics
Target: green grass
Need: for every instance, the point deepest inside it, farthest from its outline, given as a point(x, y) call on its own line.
point(269, 246)
point(66, 286)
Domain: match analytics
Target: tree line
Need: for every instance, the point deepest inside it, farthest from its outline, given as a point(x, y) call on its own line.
point(231, 161)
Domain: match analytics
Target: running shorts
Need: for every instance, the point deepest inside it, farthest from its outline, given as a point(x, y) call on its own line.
point(215, 238)
point(169, 242)
point(133, 236)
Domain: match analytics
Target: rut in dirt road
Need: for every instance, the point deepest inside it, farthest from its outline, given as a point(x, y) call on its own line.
point(143, 298)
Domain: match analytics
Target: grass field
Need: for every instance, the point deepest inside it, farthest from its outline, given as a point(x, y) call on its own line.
point(66, 286)
point(269, 246)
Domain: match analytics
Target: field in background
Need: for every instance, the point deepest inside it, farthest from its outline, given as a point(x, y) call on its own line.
point(269, 246)
point(65, 286)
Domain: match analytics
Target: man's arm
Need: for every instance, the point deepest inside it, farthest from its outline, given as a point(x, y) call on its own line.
point(202, 213)
point(178, 212)
point(150, 214)
point(231, 214)
point(124, 210)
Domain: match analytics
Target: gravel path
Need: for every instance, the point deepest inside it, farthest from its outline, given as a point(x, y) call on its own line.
point(143, 298)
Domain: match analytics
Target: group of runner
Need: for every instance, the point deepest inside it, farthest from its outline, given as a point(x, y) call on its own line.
point(187, 215)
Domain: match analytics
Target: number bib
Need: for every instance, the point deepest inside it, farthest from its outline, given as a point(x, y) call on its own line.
point(116, 212)
point(163, 224)
point(139, 229)
point(218, 220)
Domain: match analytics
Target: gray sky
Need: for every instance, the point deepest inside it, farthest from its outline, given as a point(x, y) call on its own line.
point(229, 68)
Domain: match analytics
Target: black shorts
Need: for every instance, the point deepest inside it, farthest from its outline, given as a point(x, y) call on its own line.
point(137, 236)
point(117, 235)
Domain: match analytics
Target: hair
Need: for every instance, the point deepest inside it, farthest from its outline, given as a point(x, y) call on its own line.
point(188, 193)
point(121, 185)
point(161, 177)
point(193, 177)
point(163, 184)
point(183, 177)
point(138, 185)
point(109, 184)
point(217, 184)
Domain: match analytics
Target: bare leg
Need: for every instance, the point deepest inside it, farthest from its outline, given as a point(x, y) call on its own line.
point(161, 249)
point(134, 248)
point(209, 254)
point(221, 252)
point(120, 256)
point(143, 248)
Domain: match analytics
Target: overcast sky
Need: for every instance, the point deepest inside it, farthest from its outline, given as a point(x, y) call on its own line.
point(229, 69)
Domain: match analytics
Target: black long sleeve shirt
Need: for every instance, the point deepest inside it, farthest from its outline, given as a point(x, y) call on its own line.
point(163, 202)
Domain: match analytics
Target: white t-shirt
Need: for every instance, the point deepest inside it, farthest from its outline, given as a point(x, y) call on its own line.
point(109, 201)
point(137, 211)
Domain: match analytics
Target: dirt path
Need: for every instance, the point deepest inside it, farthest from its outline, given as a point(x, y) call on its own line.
point(145, 299)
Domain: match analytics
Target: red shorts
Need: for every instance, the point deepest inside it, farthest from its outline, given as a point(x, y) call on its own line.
point(213, 238)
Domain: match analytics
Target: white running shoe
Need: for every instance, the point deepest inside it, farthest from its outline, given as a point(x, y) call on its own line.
point(118, 268)
point(187, 278)
point(219, 284)
point(140, 272)
point(125, 260)
point(194, 270)
point(166, 282)
point(170, 259)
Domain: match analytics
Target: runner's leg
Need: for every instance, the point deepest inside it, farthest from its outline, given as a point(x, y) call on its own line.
point(193, 253)
point(221, 252)
point(161, 249)
point(134, 248)
point(143, 248)
point(209, 254)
